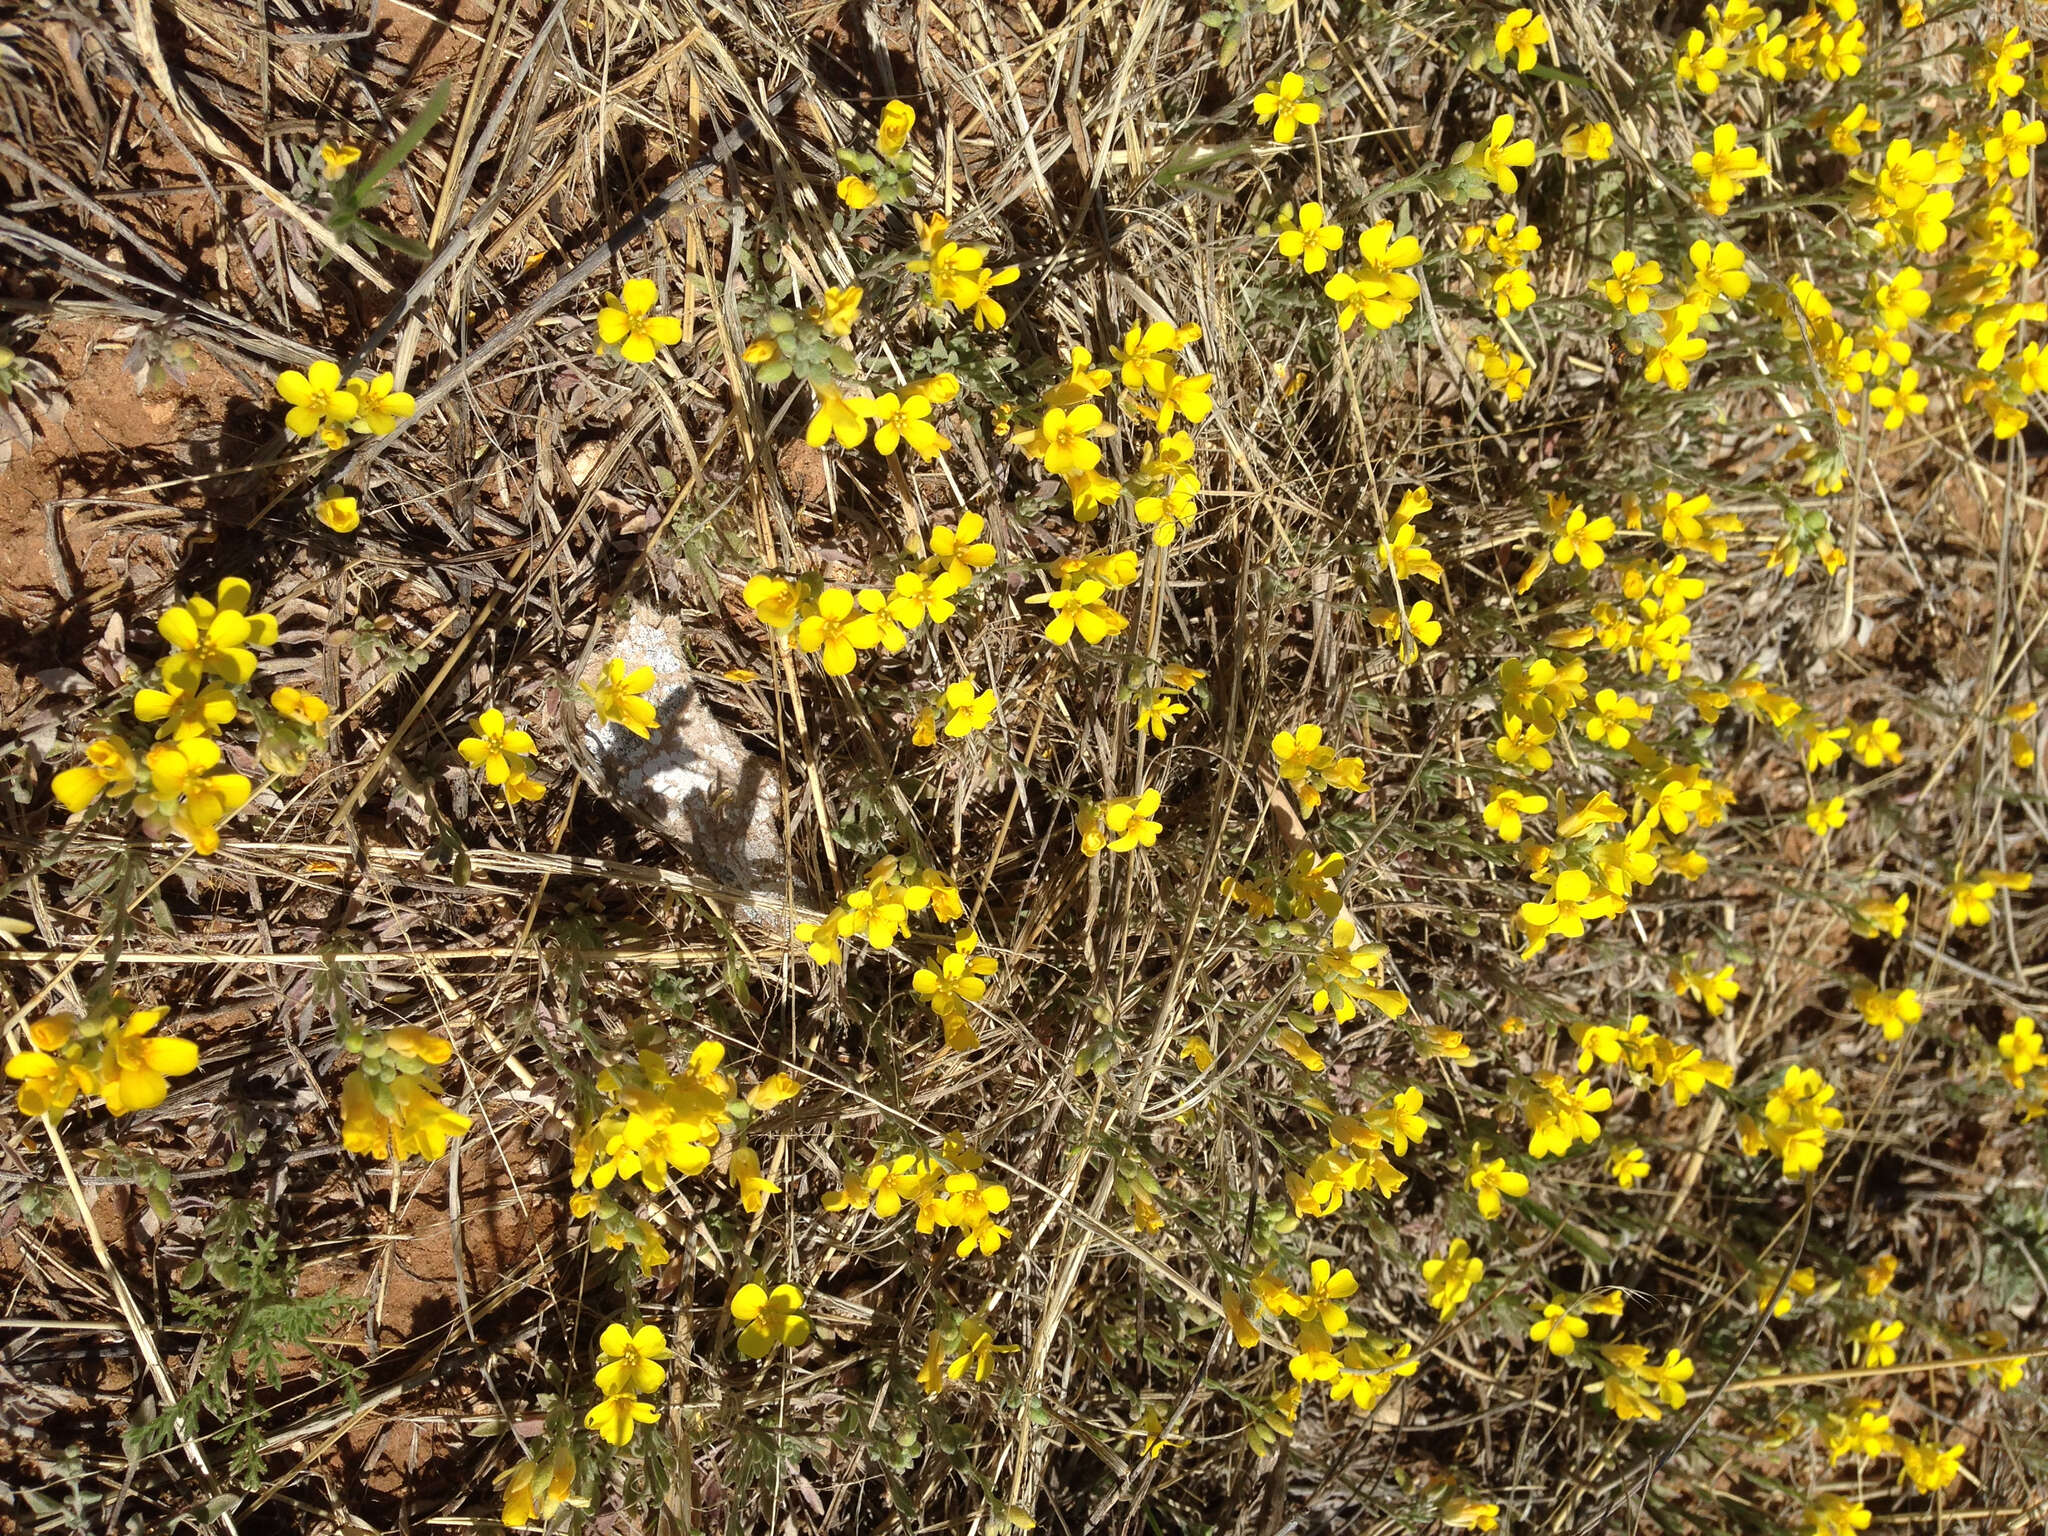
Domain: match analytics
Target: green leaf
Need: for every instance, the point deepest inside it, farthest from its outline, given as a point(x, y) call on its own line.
point(405, 245)
point(407, 141)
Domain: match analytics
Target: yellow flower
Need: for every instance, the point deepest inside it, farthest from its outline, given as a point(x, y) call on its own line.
point(1589, 141)
point(1700, 62)
point(1065, 436)
point(1152, 1425)
point(1504, 812)
point(628, 323)
point(900, 420)
point(1305, 240)
point(379, 405)
point(778, 604)
point(1159, 710)
point(1927, 1464)
point(1558, 1328)
point(631, 1354)
point(1799, 1116)
point(1451, 1277)
point(183, 795)
point(978, 1351)
point(319, 403)
point(109, 768)
point(1121, 824)
point(1889, 1012)
point(307, 709)
point(1582, 540)
point(336, 159)
point(1723, 168)
point(499, 749)
point(774, 1319)
point(213, 638)
point(1081, 608)
point(1489, 1181)
point(616, 1418)
point(745, 1172)
point(960, 551)
point(404, 1117)
point(1463, 1514)
point(1899, 401)
point(1833, 1515)
point(1499, 155)
point(617, 697)
point(1286, 104)
point(1633, 282)
point(1875, 1343)
point(1379, 289)
point(967, 710)
point(1519, 35)
point(337, 509)
point(898, 118)
point(111, 1054)
point(1825, 816)
point(2002, 70)
point(974, 294)
point(2020, 1050)
point(857, 193)
point(837, 418)
point(1627, 1163)
point(837, 632)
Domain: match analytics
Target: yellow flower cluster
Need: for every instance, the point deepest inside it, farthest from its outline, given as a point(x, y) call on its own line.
point(654, 1122)
point(1970, 896)
point(1346, 972)
point(1632, 1385)
point(1860, 1428)
point(1378, 290)
point(1508, 372)
point(1120, 824)
point(1163, 488)
point(836, 624)
point(539, 1488)
point(959, 274)
point(1357, 1158)
point(1508, 244)
point(111, 1054)
point(1311, 767)
point(957, 980)
point(391, 1104)
point(1357, 1364)
point(632, 1368)
point(174, 785)
point(976, 1346)
point(1797, 1118)
point(883, 175)
point(1685, 1069)
point(323, 406)
point(947, 1192)
point(880, 910)
point(1561, 1114)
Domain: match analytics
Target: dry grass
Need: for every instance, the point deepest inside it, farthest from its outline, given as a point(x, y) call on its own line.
point(1108, 149)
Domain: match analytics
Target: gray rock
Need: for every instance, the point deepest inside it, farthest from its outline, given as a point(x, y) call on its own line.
point(692, 779)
